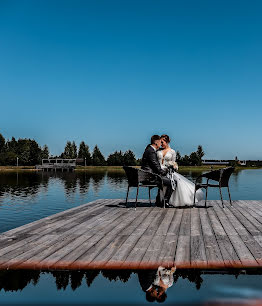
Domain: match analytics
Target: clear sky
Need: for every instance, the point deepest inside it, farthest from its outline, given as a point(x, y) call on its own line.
point(113, 73)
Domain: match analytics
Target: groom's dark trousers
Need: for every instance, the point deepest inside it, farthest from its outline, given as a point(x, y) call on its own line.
point(150, 163)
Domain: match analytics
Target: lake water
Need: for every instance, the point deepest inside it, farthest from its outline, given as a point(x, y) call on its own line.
point(29, 196)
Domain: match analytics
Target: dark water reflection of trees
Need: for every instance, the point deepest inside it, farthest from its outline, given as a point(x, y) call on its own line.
point(30, 184)
point(14, 280)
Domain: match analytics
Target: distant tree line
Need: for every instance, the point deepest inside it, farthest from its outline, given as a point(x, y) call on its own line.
point(26, 150)
point(96, 158)
point(30, 153)
point(194, 159)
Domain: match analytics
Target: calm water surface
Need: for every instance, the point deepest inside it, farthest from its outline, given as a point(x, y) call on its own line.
point(26, 196)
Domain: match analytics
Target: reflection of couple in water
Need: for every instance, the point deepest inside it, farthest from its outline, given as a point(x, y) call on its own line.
point(156, 282)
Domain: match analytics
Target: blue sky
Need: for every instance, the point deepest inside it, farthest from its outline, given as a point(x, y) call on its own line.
point(113, 73)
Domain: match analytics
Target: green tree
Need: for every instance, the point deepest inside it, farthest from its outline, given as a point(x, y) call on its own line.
point(2, 149)
point(11, 146)
point(35, 152)
point(194, 160)
point(74, 150)
point(45, 152)
point(185, 160)
point(115, 159)
point(84, 153)
point(10, 158)
point(200, 153)
point(97, 157)
point(23, 151)
point(2, 143)
point(68, 151)
point(129, 158)
point(178, 157)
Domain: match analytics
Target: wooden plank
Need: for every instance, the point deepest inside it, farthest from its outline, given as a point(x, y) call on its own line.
point(224, 220)
point(185, 223)
point(19, 240)
point(175, 223)
point(245, 222)
point(142, 215)
point(31, 250)
point(197, 247)
point(90, 253)
point(215, 223)
point(251, 206)
point(243, 252)
point(213, 254)
point(197, 252)
point(70, 222)
point(168, 252)
point(27, 227)
point(59, 255)
point(58, 249)
point(182, 257)
point(120, 256)
point(228, 252)
point(195, 226)
point(140, 248)
point(165, 224)
point(152, 254)
point(251, 216)
point(23, 244)
point(253, 246)
point(205, 222)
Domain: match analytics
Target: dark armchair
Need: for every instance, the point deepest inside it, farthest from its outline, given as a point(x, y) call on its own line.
point(221, 176)
point(140, 178)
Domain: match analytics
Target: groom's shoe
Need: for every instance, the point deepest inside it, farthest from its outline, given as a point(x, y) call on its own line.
point(169, 205)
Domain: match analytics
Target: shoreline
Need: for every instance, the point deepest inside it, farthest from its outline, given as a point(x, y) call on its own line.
point(119, 168)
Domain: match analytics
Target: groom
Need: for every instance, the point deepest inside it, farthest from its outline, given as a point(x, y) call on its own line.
point(150, 163)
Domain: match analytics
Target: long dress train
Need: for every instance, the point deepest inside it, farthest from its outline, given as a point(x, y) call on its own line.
point(184, 191)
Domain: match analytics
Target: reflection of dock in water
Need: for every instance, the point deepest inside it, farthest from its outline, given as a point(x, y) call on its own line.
point(105, 234)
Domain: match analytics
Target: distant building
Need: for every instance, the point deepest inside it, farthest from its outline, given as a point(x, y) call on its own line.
point(215, 162)
point(224, 162)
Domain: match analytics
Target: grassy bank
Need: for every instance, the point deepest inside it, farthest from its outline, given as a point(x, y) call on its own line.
point(119, 168)
point(19, 168)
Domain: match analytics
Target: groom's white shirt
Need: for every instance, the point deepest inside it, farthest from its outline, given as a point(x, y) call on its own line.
point(153, 147)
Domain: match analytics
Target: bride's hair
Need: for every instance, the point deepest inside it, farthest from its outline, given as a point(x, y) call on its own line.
point(166, 138)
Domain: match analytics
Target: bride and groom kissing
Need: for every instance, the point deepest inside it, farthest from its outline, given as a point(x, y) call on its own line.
point(160, 158)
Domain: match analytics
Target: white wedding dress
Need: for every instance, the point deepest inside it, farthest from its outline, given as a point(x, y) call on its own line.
point(184, 192)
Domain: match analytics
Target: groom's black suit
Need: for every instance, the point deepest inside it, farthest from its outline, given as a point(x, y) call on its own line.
point(150, 163)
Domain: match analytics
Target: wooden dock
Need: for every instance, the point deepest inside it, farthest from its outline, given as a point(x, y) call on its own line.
point(105, 234)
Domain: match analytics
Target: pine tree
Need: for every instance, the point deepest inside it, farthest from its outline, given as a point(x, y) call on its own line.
point(84, 153)
point(2, 143)
point(178, 157)
point(45, 152)
point(74, 150)
point(68, 150)
point(115, 159)
point(97, 157)
point(200, 153)
point(129, 158)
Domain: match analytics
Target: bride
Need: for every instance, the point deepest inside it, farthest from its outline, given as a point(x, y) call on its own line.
point(183, 193)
